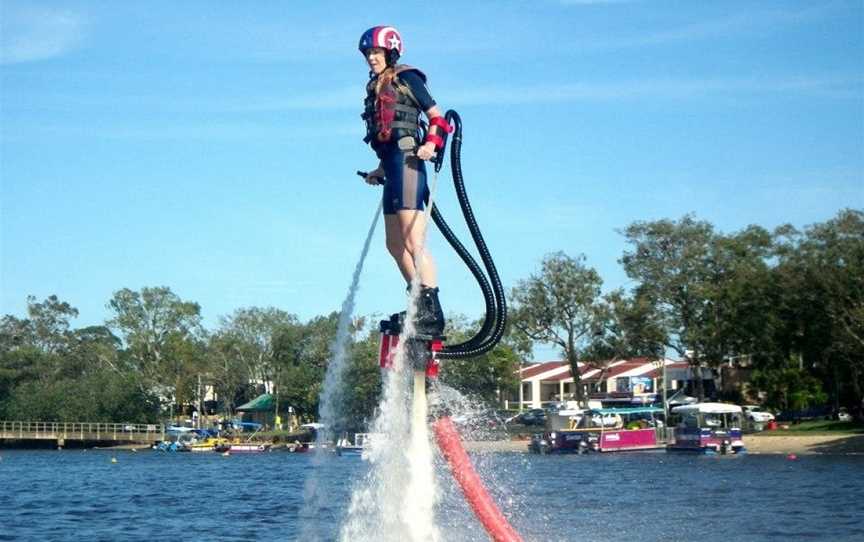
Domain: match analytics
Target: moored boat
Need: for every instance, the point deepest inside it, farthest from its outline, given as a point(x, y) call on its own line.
point(212, 444)
point(346, 447)
point(171, 446)
point(603, 430)
point(249, 447)
point(710, 428)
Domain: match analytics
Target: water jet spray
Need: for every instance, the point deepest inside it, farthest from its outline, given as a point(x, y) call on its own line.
point(401, 346)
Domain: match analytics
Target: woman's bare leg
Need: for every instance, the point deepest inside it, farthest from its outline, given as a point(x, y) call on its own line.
point(405, 235)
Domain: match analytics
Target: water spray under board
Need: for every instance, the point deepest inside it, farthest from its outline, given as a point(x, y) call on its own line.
point(423, 353)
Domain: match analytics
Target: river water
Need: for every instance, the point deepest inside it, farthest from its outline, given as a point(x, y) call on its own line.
point(83, 495)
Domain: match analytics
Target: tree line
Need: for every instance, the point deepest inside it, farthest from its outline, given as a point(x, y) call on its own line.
point(153, 359)
point(789, 304)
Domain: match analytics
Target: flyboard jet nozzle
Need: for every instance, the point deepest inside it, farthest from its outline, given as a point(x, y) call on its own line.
point(421, 350)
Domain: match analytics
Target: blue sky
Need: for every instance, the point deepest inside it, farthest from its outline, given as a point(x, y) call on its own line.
point(211, 146)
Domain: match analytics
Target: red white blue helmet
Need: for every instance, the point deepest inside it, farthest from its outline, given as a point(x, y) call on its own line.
point(386, 37)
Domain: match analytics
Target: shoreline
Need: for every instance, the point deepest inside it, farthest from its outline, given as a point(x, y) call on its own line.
point(758, 444)
point(772, 443)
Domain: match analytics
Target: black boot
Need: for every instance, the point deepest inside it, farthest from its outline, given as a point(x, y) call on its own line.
point(430, 317)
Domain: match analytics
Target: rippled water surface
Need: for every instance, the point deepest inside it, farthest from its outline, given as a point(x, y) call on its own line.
point(82, 495)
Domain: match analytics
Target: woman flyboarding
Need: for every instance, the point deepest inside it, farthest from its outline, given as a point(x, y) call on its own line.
point(396, 95)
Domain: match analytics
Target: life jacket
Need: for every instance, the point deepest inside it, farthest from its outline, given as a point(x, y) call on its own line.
point(392, 112)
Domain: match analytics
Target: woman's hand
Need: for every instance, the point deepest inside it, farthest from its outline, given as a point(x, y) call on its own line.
point(375, 177)
point(426, 151)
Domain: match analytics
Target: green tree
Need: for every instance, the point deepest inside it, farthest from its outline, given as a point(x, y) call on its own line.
point(226, 371)
point(302, 352)
point(99, 397)
point(252, 331)
point(49, 321)
point(51, 372)
point(483, 377)
point(820, 280)
point(627, 328)
point(18, 367)
point(362, 390)
point(34, 351)
point(15, 333)
point(561, 306)
point(162, 335)
point(708, 294)
point(46, 330)
point(93, 349)
point(671, 263)
point(789, 387)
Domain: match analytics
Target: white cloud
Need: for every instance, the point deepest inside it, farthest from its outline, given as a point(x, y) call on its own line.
point(31, 34)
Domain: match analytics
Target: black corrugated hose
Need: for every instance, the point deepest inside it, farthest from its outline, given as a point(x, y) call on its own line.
point(496, 308)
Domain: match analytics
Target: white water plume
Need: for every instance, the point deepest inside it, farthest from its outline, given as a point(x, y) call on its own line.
point(328, 413)
point(396, 500)
point(333, 385)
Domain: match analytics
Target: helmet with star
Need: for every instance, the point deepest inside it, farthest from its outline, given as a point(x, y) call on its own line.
point(384, 37)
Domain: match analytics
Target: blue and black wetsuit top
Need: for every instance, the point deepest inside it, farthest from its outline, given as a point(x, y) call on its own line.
point(393, 129)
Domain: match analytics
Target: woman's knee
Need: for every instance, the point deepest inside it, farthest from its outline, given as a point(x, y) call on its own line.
point(413, 240)
point(410, 245)
point(395, 247)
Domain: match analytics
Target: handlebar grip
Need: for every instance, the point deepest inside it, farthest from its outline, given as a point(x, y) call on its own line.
point(365, 174)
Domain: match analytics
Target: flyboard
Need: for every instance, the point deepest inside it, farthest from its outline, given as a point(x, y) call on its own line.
point(424, 353)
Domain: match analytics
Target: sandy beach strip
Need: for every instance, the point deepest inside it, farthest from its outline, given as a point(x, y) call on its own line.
point(485, 446)
point(772, 443)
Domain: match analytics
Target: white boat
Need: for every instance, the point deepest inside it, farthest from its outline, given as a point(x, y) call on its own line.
point(249, 447)
point(709, 428)
point(346, 447)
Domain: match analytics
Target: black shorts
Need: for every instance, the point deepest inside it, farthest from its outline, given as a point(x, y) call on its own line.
point(405, 186)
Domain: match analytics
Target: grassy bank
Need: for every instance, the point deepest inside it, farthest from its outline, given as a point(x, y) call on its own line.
point(815, 428)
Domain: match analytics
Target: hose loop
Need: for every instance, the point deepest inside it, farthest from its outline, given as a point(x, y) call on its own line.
point(493, 292)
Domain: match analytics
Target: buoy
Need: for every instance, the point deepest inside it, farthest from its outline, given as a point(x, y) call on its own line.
point(791, 457)
point(113, 459)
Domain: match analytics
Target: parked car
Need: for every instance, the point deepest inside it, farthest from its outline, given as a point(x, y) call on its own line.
point(843, 415)
point(757, 414)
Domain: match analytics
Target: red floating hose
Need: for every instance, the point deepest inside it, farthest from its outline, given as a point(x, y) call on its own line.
point(475, 492)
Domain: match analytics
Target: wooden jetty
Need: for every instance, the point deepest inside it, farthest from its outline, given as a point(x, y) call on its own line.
point(97, 433)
